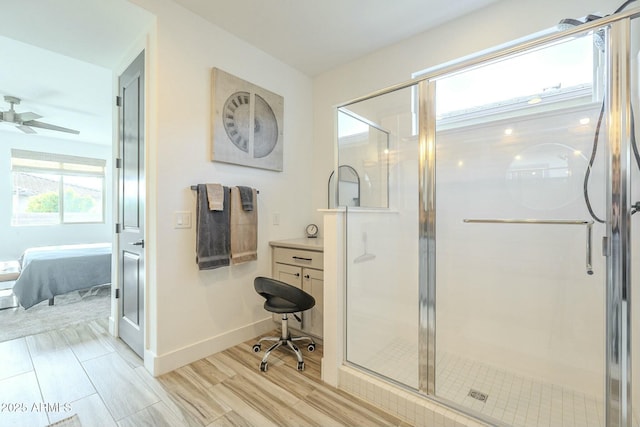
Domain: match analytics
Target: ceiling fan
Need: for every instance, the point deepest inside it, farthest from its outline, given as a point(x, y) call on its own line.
point(27, 121)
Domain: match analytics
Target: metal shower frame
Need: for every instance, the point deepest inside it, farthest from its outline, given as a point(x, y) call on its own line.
point(616, 243)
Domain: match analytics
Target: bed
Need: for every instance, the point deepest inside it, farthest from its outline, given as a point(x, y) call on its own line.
point(56, 270)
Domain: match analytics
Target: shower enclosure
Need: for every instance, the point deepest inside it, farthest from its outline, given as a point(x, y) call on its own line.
point(490, 265)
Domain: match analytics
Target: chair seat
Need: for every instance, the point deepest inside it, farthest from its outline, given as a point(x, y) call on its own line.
point(280, 305)
point(281, 297)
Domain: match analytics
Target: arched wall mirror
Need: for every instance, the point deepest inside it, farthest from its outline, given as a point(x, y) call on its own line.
point(348, 189)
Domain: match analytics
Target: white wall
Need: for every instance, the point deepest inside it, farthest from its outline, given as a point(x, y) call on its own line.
point(199, 312)
point(15, 240)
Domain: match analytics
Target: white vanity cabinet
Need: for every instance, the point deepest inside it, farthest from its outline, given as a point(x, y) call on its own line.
point(299, 262)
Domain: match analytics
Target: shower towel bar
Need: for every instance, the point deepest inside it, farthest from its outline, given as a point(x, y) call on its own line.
point(530, 221)
point(589, 225)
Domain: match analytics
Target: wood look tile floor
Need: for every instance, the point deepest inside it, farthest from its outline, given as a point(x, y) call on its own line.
point(83, 370)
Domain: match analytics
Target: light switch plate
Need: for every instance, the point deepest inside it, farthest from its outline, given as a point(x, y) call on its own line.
point(182, 219)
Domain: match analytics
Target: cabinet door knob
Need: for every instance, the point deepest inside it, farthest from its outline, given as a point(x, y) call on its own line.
point(297, 274)
point(306, 276)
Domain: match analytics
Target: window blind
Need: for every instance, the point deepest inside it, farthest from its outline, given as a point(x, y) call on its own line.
point(61, 164)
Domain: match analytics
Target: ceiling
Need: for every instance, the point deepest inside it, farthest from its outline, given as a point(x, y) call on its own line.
point(63, 72)
point(64, 91)
point(317, 35)
point(54, 68)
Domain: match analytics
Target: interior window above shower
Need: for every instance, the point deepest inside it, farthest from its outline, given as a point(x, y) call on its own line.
point(363, 144)
point(526, 83)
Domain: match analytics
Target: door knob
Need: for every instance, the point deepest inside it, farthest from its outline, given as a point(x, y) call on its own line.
point(138, 243)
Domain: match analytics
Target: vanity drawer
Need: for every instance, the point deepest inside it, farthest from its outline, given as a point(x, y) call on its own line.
point(299, 257)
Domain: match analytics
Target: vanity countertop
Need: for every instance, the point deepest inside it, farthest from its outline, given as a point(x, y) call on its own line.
point(315, 244)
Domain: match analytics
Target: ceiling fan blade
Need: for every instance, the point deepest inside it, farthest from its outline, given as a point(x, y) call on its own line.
point(25, 129)
point(42, 125)
point(28, 116)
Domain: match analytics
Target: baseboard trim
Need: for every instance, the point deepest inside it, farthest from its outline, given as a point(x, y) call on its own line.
point(158, 365)
point(112, 327)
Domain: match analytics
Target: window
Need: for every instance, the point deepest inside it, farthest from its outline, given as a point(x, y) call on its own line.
point(56, 189)
point(557, 76)
point(565, 68)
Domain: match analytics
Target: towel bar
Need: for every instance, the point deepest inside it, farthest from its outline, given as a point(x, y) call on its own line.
point(195, 188)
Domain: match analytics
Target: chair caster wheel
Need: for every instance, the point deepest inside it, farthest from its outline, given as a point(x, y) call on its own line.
point(300, 366)
point(263, 366)
point(256, 348)
point(311, 347)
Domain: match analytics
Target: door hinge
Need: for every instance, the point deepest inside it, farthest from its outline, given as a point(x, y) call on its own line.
point(118, 229)
point(118, 101)
point(117, 293)
point(118, 163)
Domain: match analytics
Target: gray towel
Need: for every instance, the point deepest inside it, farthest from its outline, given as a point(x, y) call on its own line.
point(246, 196)
point(213, 233)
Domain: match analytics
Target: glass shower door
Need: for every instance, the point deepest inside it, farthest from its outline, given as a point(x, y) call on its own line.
point(519, 200)
point(378, 143)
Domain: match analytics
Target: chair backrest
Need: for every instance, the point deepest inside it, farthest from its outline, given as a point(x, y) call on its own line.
point(273, 290)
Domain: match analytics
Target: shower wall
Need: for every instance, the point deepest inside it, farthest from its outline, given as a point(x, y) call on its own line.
point(515, 296)
point(518, 296)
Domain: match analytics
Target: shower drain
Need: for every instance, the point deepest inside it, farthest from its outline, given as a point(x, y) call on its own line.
point(478, 395)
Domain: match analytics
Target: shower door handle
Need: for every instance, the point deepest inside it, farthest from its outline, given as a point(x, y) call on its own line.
point(589, 251)
point(589, 225)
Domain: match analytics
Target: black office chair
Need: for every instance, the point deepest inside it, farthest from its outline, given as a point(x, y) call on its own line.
point(284, 299)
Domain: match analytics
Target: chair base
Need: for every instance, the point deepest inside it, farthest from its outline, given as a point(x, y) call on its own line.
point(285, 340)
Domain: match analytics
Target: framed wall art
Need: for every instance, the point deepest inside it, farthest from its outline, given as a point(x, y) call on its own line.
point(247, 123)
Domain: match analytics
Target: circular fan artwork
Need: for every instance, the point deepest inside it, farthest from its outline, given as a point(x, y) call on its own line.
point(252, 121)
point(237, 123)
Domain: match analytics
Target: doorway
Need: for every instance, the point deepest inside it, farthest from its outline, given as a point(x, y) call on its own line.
point(103, 34)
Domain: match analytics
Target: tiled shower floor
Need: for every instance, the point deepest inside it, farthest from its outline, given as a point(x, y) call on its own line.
point(512, 399)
